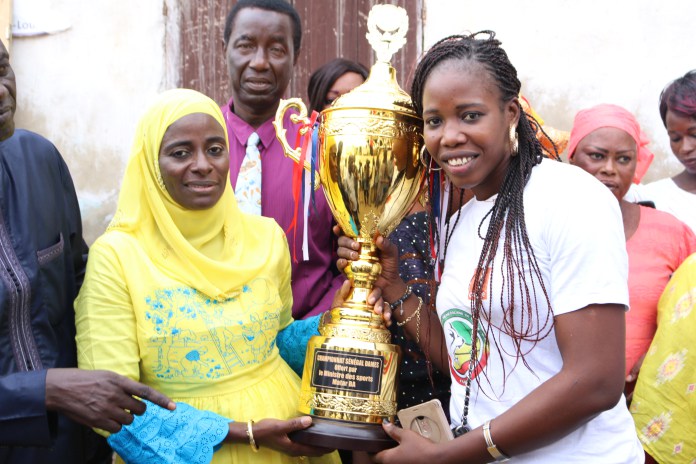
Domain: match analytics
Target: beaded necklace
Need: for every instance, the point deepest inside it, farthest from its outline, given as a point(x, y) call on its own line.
point(464, 426)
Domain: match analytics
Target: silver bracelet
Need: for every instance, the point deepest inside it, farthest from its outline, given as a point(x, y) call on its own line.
point(492, 449)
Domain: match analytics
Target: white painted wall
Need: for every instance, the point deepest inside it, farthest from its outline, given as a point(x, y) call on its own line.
point(572, 55)
point(85, 88)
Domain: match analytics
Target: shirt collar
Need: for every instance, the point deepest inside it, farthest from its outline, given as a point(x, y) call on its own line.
point(241, 130)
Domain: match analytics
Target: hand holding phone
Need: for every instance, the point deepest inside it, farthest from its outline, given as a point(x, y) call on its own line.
point(427, 419)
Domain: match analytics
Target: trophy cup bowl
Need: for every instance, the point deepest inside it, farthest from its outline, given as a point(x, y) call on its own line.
point(369, 142)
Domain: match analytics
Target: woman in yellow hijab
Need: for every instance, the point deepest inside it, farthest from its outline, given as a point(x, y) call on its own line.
point(186, 294)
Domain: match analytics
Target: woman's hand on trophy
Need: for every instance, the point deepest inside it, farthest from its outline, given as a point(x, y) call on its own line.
point(388, 283)
point(349, 250)
point(374, 298)
point(412, 448)
point(341, 294)
point(273, 433)
point(390, 279)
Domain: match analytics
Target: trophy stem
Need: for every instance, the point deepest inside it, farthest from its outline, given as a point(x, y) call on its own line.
point(349, 379)
point(368, 145)
point(355, 310)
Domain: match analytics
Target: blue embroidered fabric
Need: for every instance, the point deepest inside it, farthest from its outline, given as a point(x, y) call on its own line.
point(183, 436)
point(292, 341)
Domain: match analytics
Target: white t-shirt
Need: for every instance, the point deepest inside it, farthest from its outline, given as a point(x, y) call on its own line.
point(669, 197)
point(575, 229)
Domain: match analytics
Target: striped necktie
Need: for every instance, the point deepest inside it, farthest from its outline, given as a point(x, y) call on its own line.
point(248, 191)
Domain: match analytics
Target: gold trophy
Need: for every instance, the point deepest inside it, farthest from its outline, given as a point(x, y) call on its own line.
point(368, 150)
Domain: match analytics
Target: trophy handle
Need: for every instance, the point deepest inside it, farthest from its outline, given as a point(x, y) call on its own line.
point(281, 133)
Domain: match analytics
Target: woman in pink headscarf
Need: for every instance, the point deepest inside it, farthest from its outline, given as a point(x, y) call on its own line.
point(607, 142)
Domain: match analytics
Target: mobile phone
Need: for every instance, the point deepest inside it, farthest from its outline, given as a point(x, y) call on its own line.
point(428, 419)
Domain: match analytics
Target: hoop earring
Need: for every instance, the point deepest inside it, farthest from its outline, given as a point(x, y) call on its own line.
point(514, 142)
point(427, 164)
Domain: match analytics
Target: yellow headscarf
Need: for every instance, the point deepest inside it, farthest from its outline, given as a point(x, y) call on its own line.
point(216, 250)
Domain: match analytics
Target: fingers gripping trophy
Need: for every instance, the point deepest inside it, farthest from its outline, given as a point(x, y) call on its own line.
point(368, 147)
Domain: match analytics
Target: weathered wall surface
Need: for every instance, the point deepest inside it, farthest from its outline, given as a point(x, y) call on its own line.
point(573, 55)
point(86, 87)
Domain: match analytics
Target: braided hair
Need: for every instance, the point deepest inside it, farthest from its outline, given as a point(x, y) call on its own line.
point(507, 215)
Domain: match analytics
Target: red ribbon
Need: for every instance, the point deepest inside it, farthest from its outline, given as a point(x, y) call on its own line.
point(303, 140)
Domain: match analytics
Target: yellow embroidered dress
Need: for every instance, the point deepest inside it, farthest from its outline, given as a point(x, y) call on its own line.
point(190, 302)
point(664, 401)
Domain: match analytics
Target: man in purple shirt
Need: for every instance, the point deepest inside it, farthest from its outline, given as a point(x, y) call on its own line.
point(262, 42)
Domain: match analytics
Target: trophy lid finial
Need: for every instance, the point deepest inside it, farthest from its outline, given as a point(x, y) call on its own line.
point(387, 26)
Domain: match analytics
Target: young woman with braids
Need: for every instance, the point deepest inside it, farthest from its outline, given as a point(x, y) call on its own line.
point(532, 298)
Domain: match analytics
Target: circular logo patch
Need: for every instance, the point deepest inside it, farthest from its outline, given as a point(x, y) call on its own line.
point(458, 328)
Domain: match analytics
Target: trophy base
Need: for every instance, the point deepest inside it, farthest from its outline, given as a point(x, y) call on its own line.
point(335, 434)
